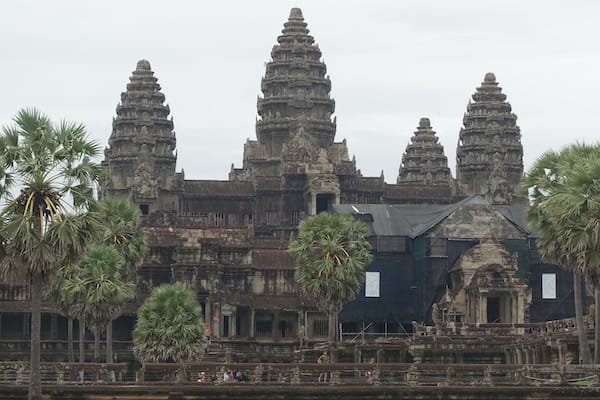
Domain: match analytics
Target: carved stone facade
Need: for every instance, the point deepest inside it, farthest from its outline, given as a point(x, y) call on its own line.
point(424, 161)
point(489, 156)
point(484, 288)
point(141, 155)
point(228, 239)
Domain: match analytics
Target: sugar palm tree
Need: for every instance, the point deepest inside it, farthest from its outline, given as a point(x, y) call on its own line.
point(55, 292)
point(565, 207)
point(331, 252)
point(105, 277)
point(169, 327)
point(96, 289)
point(47, 177)
point(122, 231)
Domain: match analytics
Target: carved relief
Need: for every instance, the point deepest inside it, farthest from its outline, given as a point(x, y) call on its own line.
point(484, 288)
point(144, 184)
point(490, 131)
point(301, 148)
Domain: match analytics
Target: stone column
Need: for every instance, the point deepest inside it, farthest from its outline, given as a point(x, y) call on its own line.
point(301, 332)
point(216, 320)
point(252, 322)
point(70, 339)
point(506, 316)
point(208, 316)
point(275, 331)
point(482, 309)
point(233, 326)
point(53, 326)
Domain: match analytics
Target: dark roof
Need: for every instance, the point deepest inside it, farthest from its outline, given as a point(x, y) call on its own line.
point(414, 220)
point(518, 216)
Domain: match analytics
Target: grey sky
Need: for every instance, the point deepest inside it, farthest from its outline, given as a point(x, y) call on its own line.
point(390, 61)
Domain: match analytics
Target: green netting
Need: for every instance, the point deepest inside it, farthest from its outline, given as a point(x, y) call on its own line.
point(419, 247)
point(519, 246)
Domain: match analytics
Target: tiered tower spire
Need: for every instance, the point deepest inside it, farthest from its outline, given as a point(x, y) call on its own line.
point(424, 161)
point(295, 91)
point(489, 156)
point(140, 157)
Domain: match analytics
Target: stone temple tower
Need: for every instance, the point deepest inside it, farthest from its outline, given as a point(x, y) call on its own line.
point(424, 161)
point(140, 158)
point(295, 100)
point(489, 155)
point(294, 164)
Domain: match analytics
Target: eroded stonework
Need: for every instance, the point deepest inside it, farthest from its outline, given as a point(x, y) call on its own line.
point(484, 288)
point(228, 239)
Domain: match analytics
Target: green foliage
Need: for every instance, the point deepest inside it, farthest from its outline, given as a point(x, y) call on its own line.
point(169, 327)
point(331, 252)
point(47, 180)
point(122, 231)
point(95, 290)
point(565, 207)
point(118, 248)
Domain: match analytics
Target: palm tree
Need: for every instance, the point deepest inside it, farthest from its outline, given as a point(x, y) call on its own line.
point(565, 207)
point(54, 291)
point(47, 177)
point(122, 231)
point(331, 252)
point(96, 289)
point(169, 327)
point(124, 245)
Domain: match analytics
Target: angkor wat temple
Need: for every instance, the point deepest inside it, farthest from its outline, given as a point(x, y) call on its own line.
point(446, 247)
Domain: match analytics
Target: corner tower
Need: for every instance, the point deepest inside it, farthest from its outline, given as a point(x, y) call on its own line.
point(489, 155)
point(141, 155)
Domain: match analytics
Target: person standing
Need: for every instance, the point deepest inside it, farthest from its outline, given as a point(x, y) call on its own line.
point(323, 359)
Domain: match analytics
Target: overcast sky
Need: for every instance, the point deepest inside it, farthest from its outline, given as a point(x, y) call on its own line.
point(390, 61)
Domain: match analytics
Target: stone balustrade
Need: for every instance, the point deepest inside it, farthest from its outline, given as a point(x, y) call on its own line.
point(17, 372)
point(562, 326)
point(308, 374)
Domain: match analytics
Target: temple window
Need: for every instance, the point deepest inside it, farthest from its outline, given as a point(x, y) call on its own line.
point(324, 202)
point(264, 328)
point(320, 327)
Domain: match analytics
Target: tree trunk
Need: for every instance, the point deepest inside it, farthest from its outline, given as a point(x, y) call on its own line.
point(81, 341)
point(35, 384)
point(109, 352)
point(110, 376)
point(81, 347)
point(70, 339)
point(331, 325)
point(584, 348)
point(596, 322)
point(96, 345)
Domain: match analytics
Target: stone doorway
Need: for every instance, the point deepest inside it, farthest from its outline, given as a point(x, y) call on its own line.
point(493, 310)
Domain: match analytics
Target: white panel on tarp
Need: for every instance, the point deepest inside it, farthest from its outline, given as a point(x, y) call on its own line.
point(548, 286)
point(372, 284)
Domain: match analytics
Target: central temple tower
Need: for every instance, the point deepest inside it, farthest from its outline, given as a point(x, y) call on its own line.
point(295, 101)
